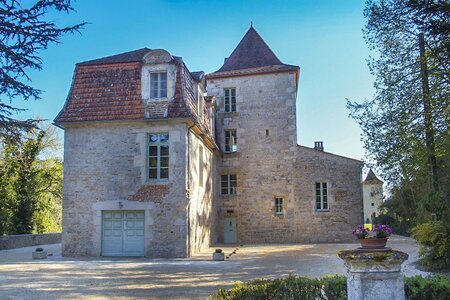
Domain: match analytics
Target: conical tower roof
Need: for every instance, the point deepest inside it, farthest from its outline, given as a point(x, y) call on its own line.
point(252, 55)
point(371, 177)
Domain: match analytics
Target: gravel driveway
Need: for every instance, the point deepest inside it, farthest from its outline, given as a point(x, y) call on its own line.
point(195, 278)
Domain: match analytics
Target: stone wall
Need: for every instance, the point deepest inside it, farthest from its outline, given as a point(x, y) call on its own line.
point(27, 240)
point(201, 210)
point(270, 164)
point(105, 168)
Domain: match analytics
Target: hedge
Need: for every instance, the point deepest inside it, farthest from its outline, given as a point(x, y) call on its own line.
point(329, 287)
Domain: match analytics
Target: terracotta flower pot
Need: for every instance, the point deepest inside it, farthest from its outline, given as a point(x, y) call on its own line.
point(373, 243)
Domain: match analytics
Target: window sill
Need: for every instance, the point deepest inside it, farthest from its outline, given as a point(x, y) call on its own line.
point(156, 99)
point(157, 181)
point(279, 214)
point(322, 210)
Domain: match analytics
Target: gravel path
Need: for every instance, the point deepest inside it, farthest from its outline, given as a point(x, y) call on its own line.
point(195, 278)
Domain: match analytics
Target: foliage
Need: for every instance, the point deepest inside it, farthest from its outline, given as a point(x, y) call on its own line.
point(329, 287)
point(406, 124)
point(24, 32)
point(292, 287)
point(31, 185)
point(433, 287)
point(400, 226)
point(434, 240)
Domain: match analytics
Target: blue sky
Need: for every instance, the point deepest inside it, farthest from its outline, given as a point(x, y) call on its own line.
point(323, 37)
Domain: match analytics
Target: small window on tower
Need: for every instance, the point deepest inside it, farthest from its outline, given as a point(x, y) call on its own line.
point(279, 206)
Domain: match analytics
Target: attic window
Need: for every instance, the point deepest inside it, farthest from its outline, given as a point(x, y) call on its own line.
point(158, 85)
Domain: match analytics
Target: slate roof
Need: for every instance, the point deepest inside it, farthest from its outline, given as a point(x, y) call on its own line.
point(371, 177)
point(198, 75)
point(251, 56)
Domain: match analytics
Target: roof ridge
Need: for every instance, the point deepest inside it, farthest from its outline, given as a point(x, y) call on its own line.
point(128, 56)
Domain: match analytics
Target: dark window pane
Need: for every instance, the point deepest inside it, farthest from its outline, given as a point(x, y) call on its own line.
point(164, 172)
point(164, 162)
point(233, 177)
point(227, 148)
point(227, 93)
point(163, 77)
point(325, 205)
point(164, 150)
point(153, 151)
point(152, 173)
point(233, 107)
point(224, 191)
point(233, 92)
point(224, 177)
point(317, 185)
point(153, 162)
point(324, 185)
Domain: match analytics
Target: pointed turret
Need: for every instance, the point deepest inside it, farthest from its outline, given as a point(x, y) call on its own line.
point(372, 178)
point(252, 56)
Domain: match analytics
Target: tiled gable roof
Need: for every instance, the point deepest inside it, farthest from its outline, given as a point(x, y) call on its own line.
point(251, 56)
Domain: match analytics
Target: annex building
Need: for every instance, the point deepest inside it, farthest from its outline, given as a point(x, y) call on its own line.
point(161, 161)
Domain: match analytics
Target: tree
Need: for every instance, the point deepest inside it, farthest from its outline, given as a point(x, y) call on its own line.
point(31, 183)
point(24, 32)
point(406, 124)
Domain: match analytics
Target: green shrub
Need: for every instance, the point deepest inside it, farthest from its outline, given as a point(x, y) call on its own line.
point(292, 287)
point(423, 288)
point(434, 241)
point(328, 287)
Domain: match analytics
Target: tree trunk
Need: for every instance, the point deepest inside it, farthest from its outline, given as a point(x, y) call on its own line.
point(428, 117)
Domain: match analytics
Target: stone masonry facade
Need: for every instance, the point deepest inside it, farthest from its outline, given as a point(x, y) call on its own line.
point(163, 162)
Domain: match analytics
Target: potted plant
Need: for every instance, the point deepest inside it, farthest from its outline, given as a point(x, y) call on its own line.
point(376, 240)
point(218, 255)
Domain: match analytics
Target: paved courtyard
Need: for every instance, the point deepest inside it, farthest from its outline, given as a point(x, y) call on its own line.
point(195, 278)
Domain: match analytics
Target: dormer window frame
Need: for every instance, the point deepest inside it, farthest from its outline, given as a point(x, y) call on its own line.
point(159, 85)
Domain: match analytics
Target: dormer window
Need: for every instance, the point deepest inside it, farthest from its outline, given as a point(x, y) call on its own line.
point(158, 85)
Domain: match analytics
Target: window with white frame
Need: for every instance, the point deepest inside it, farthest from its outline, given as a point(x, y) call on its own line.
point(200, 165)
point(230, 100)
point(279, 206)
point(228, 184)
point(158, 85)
point(200, 105)
point(158, 156)
point(230, 140)
point(321, 196)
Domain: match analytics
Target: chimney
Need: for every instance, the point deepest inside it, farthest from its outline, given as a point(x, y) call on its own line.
point(318, 146)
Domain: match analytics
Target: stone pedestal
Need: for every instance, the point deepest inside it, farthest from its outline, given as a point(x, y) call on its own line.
point(39, 254)
point(374, 275)
point(218, 256)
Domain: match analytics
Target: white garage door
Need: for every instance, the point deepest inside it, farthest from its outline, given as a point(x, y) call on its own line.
point(123, 233)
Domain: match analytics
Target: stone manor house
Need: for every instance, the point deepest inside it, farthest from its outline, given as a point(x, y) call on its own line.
point(160, 161)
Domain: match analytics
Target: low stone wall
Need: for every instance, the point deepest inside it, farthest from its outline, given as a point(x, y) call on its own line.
point(26, 240)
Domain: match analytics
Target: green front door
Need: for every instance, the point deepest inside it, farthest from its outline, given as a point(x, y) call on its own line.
point(123, 233)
